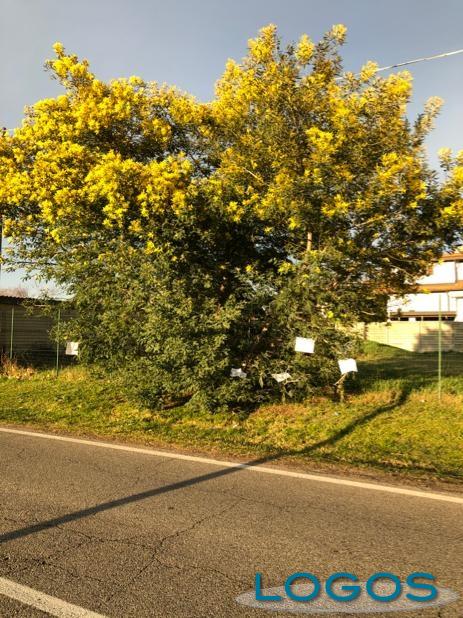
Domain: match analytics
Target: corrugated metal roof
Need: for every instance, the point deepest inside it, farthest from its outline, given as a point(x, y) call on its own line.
point(5, 298)
point(17, 300)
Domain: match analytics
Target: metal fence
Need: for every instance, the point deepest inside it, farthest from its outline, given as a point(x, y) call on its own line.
point(31, 335)
point(423, 353)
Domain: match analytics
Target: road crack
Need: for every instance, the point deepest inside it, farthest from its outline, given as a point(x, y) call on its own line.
point(160, 545)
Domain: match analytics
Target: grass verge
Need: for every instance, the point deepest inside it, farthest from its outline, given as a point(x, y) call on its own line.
point(392, 419)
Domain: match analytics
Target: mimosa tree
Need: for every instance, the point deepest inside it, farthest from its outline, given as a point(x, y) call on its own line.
point(197, 237)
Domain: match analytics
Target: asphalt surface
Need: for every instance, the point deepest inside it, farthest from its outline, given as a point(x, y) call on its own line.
point(126, 534)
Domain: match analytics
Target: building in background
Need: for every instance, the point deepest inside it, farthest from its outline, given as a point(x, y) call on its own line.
point(26, 329)
point(441, 290)
point(413, 322)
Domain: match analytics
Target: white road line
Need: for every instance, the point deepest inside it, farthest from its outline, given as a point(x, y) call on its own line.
point(44, 602)
point(319, 478)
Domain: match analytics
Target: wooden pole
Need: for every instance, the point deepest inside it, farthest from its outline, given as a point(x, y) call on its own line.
point(309, 242)
point(339, 387)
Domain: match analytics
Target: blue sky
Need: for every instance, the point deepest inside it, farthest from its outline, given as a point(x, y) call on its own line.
point(187, 44)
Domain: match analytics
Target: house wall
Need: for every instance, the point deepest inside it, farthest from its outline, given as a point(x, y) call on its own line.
point(442, 273)
point(449, 273)
point(417, 336)
point(424, 302)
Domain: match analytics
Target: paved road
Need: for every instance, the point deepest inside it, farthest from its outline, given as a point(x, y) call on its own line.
point(127, 534)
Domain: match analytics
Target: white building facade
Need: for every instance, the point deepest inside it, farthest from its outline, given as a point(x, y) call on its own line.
point(439, 292)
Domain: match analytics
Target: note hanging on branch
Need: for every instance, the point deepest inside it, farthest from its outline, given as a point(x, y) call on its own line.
point(304, 345)
point(238, 373)
point(347, 365)
point(281, 377)
point(72, 348)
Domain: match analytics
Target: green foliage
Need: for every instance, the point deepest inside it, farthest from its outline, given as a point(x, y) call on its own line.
point(392, 421)
point(173, 339)
point(195, 238)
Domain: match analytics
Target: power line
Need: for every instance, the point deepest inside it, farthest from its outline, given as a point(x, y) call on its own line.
point(402, 64)
point(391, 66)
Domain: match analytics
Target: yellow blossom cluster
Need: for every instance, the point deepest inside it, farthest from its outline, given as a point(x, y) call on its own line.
point(295, 128)
point(453, 186)
point(289, 144)
point(304, 50)
point(101, 155)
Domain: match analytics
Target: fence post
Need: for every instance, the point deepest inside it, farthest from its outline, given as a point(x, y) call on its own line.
point(11, 332)
point(57, 341)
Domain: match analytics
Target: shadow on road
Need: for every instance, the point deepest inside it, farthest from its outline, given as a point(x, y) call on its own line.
point(112, 504)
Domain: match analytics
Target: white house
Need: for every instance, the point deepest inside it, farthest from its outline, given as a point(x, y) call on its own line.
point(441, 290)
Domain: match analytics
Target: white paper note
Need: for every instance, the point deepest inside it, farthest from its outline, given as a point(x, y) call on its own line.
point(304, 345)
point(237, 373)
point(72, 348)
point(281, 377)
point(346, 365)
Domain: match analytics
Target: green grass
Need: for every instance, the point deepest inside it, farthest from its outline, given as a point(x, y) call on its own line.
point(391, 419)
